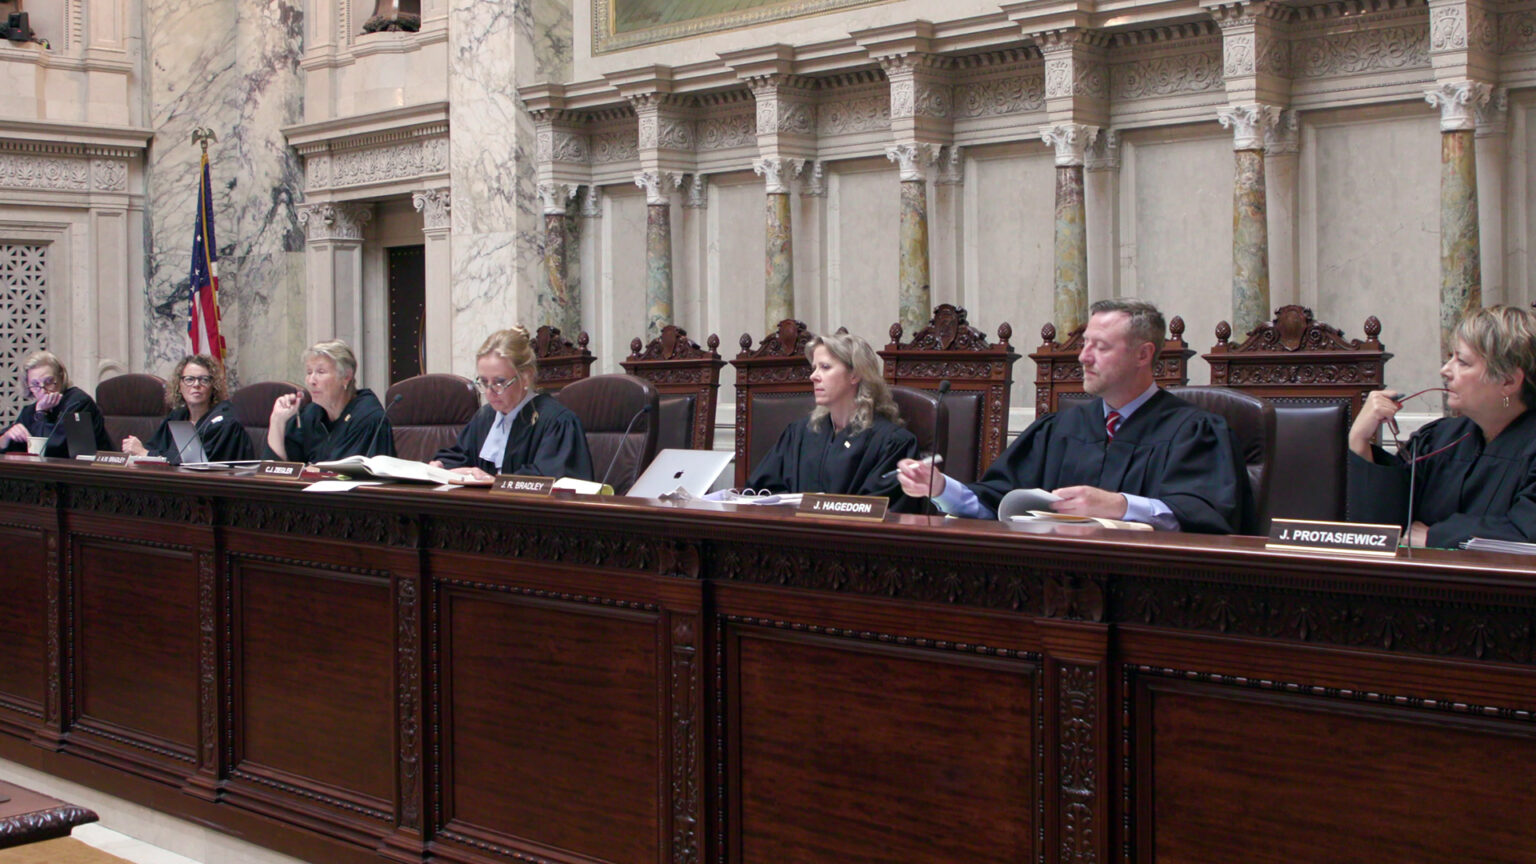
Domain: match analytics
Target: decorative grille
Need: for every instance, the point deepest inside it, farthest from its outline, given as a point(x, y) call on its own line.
point(23, 319)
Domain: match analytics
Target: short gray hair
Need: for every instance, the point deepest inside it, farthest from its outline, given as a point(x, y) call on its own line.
point(1505, 337)
point(341, 355)
point(1147, 324)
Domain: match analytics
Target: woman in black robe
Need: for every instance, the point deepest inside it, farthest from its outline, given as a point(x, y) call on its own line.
point(339, 421)
point(852, 439)
point(518, 431)
point(53, 399)
point(1473, 475)
point(198, 393)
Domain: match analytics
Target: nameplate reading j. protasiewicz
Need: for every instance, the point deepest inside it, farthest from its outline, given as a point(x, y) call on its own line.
point(1350, 537)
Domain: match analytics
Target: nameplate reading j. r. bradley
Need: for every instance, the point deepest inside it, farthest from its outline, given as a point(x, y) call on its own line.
point(513, 484)
point(868, 507)
point(1349, 537)
point(116, 460)
point(280, 470)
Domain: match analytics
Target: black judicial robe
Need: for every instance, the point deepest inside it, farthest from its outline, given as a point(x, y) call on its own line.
point(361, 430)
point(821, 460)
point(1475, 489)
point(546, 440)
point(49, 424)
point(224, 439)
point(1168, 449)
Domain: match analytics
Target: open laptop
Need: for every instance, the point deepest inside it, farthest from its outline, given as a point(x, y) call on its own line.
point(189, 447)
point(79, 433)
point(693, 470)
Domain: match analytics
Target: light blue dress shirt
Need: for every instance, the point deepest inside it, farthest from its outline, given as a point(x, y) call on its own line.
point(495, 445)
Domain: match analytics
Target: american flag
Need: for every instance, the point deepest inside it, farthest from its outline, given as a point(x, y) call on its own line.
point(203, 321)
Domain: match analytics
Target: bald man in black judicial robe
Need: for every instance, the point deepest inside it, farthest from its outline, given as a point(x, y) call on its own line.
point(1168, 463)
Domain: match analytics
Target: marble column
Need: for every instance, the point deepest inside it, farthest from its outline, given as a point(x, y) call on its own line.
point(916, 300)
point(1281, 171)
point(558, 304)
point(946, 247)
point(658, 251)
point(1460, 256)
point(435, 206)
point(1250, 222)
point(1101, 188)
point(1071, 142)
point(778, 262)
point(333, 259)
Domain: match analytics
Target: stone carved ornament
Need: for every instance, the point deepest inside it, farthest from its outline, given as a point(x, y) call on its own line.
point(869, 113)
point(1382, 49)
point(25, 171)
point(334, 221)
point(397, 161)
point(1000, 96)
point(1167, 76)
point(620, 145)
point(435, 207)
point(723, 132)
point(911, 160)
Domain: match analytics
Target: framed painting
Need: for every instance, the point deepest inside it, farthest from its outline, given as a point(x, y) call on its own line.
point(620, 24)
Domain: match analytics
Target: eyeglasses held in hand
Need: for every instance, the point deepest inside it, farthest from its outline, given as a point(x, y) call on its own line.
point(1401, 447)
point(197, 380)
point(497, 387)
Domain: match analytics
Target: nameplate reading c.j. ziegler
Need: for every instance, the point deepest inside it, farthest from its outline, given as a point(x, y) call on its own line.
point(513, 484)
point(1350, 537)
point(119, 460)
point(870, 507)
point(280, 470)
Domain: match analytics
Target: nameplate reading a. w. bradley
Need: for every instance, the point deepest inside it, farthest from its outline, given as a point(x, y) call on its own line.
point(116, 460)
point(513, 484)
point(280, 470)
point(866, 507)
point(1348, 537)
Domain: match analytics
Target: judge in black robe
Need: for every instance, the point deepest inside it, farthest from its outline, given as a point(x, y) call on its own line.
point(224, 439)
point(360, 429)
point(841, 462)
point(50, 424)
point(546, 440)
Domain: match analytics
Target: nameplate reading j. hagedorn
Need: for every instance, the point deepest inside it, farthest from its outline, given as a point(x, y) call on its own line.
point(513, 484)
point(115, 460)
point(1349, 537)
point(280, 470)
point(865, 507)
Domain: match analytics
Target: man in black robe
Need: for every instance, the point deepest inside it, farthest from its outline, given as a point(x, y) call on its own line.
point(1135, 453)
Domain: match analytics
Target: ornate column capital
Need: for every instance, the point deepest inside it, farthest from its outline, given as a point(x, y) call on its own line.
point(814, 183)
point(951, 164)
point(1071, 141)
point(1458, 102)
point(658, 185)
point(435, 207)
point(1284, 135)
point(911, 159)
point(777, 173)
point(556, 197)
point(696, 192)
point(592, 202)
point(1493, 117)
point(334, 220)
point(1249, 123)
point(1104, 153)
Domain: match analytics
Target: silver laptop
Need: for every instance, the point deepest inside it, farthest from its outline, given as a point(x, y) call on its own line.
point(189, 447)
point(693, 470)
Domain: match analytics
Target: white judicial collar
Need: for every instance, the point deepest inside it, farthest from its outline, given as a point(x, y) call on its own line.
point(496, 439)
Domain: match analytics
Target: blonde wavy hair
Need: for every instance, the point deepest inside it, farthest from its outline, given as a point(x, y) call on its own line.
point(173, 397)
point(515, 346)
point(45, 358)
point(874, 395)
point(1505, 337)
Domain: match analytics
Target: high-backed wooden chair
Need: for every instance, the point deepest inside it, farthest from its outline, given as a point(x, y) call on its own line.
point(433, 408)
point(131, 404)
point(688, 379)
point(980, 378)
point(560, 362)
point(253, 407)
point(773, 389)
point(1059, 374)
point(1252, 421)
point(1317, 380)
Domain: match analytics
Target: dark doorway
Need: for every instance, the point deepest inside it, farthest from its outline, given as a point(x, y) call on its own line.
point(407, 310)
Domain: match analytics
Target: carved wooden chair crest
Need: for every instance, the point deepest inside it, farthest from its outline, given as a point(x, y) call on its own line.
point(1296, 357)
point(560, 362)
point(1058, 373)
point(773, 389)
point(980, 376)
point(688, 379)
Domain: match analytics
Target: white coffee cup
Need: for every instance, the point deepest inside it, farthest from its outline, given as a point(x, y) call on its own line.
point(35, 445)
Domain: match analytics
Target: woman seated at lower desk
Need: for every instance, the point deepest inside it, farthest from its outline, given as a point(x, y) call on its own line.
point(1476, 473)
point(851, 440)
point(518, 431)
point(339, 421)
point(53, 399)
point(198, 393)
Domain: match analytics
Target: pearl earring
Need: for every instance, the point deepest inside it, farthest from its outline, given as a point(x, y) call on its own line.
point(1506, 401)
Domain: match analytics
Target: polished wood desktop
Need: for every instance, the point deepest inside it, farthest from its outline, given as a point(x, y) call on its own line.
point(403, 674)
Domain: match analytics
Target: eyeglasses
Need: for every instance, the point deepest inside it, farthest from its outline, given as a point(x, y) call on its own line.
point(1402, 445)
point(497, 387)
point(42, 386)
point(197, 380)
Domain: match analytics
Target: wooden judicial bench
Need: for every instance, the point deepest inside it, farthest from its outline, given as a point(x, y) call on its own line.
point(408, 675)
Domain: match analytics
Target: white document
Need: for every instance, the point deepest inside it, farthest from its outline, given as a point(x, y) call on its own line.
point(391, 468)
point(340, 485)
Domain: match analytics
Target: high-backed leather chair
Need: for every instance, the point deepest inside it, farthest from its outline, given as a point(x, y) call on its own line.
point(432, 410)
point(1059, 374)
point(1252, 421)
point(688, 379)
point(606, 405)
point(1316, 379)
point(131, 404)
point(980, 377)
point(926, 417)
point(560, 362)
point(253, 407)
point(773, 390)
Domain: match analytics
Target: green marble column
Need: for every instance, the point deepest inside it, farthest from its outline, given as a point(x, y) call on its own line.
point(916, 302)
point(1250, 243)
point(1461, 274)
point(558, 305)
point(1071, 309)
point(779, 301)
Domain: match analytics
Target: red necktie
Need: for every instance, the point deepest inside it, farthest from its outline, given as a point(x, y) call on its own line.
point(1111, 423)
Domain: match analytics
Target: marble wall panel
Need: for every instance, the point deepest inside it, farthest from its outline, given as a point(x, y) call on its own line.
point(736, 273)
point(624, 310)
point(1377, 238)
point(864, 219)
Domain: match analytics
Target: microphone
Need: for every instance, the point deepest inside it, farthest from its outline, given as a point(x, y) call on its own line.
point(928, 499)
point(644, 409)
point(380, 428)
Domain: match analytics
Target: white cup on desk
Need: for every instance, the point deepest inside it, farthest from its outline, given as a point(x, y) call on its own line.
point(36, 445)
